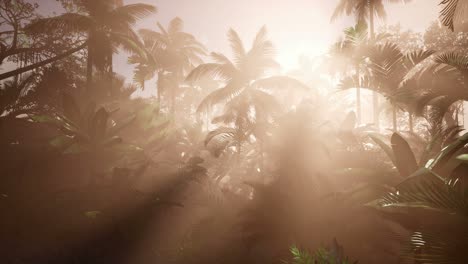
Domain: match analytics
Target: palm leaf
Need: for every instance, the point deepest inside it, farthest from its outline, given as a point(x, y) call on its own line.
point(385, 147)
point(224, 72)
point(453, 13)
point(133, 12)
point(70, 22)
point(454, 59)
point(220, 58)
point(417, 56)
point(431, 246)
point(405, 161)
point(237, 47)
point(226, 93)
point(176, 25)
point(425, 189)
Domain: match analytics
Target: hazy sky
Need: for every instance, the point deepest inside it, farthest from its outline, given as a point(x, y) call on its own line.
point(297, 27)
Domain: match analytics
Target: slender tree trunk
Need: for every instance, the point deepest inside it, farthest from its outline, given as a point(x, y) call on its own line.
point(463, 113)
point(89, 70)
point(42, 63)
point(111, 74)
point(410, 122)
point(262, 158)
point(394, 119)
point(239, 150)
point(375, 95)
point(358, 96)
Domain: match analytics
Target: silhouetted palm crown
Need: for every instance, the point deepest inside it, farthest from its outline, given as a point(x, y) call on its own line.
point(107, 26)
point(247, 70)
point(170, 50)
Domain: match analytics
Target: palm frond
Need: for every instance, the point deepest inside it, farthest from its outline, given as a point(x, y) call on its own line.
point(237, 47)
point(417, 56)
point(387, 64)
point(128, 44)
point(153, 39)
point(133, 12)
point(344, 7)
point(218, 139)
point(405, 161)
point(430, 246)
point(425, 189)
point(227, 93)
point(454, 59)
point(70, 22)
point(453, 13)
point(224, 72)
point(176, 25)
point(220, 58)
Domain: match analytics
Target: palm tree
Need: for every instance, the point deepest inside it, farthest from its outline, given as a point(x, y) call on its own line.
point(12, 92)
point(445, 80)
point(389, 67)
point(365, 11)
point(107, 26)
point(351, 51)
point(244, 116)
point(439, 186)
point(248, 70)
point(171, 55)
point(245, 79)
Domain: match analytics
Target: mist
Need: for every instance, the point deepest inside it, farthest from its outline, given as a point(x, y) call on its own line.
point(256, 132)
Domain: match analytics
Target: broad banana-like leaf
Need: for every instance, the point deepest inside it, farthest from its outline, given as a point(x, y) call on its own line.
point(405, 161)
point(71, 109)
point(386, 148)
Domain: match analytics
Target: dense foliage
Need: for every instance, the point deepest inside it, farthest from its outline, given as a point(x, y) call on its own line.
point(233, 160)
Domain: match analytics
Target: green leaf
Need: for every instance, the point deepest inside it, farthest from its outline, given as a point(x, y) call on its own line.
point(405, 161)
point(92, 214)
point(463, 157)
point(386, 148)
point(121, 125)
point(71, 109)
point(45, 119)
point(61, 141)
point(99, 124)
point(76, 149)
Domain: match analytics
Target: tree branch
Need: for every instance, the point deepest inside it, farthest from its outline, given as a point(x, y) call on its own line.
point(42, 63)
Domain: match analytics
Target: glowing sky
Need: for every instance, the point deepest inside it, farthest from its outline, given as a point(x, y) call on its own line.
point(297, 27)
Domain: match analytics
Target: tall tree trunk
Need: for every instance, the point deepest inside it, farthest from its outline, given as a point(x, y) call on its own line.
point(375, 95)
point(410, 121)
point(262, 157)
point(394, 119)
point(358, 95)
point(42, 63)
point(463, 113)
point(89, 70)
point(111, 73)
point(239, 150)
